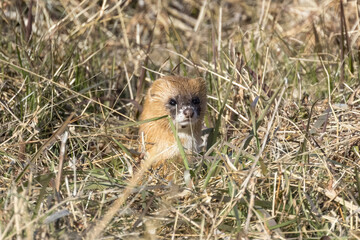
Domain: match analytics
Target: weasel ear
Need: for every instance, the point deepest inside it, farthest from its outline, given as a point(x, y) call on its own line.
point(155, 89)
point(153, 93)
point(198, 84)
point(197, 81)
point(200, 80)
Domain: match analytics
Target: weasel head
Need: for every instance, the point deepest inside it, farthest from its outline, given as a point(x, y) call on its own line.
point(183, 99)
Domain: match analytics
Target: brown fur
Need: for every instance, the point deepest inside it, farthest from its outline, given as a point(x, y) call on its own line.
point(160, 142)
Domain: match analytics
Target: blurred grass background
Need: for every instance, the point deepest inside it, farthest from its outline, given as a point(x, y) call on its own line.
point(282, 160)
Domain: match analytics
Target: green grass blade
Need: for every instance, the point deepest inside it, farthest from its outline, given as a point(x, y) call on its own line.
point(180, 146)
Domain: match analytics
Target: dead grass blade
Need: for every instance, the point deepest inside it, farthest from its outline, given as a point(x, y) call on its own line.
point(100, 225)
point(47, 144)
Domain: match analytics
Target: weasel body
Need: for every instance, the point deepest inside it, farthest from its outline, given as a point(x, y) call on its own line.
point(184, 100)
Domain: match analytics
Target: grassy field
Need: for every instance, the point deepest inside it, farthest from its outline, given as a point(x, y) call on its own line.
point(282, 159)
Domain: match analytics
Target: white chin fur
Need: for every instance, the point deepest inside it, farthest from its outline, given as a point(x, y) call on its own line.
point(183, 123)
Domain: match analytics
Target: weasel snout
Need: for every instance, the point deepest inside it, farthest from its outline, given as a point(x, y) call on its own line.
point(186, 116)
point(189, 112)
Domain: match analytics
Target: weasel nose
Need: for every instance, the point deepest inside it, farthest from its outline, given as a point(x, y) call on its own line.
point(189, 112)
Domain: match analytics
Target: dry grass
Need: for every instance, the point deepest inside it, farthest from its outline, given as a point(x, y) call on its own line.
point(282, 160)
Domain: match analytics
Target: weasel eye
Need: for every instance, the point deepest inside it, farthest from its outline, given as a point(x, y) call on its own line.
point(195, 100)
point(172, 102)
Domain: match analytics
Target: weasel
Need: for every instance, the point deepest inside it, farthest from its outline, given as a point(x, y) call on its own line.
point(185, 101)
